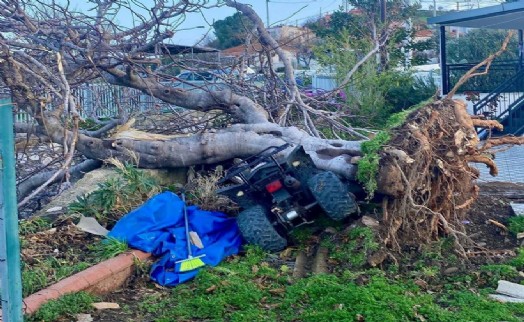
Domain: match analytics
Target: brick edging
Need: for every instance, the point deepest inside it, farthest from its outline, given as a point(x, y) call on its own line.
point(99, 279)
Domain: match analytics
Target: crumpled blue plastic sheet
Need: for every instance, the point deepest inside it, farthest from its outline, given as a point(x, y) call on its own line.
point(157, 227)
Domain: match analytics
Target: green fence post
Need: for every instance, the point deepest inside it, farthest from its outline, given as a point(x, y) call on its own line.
point(10, 275)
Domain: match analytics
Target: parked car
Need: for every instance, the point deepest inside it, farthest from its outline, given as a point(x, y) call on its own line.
point(198, 80)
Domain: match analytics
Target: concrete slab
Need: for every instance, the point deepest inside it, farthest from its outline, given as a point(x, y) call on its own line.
point(510, 162)
point(518, 208)
point(505, 299)
point(510, 289)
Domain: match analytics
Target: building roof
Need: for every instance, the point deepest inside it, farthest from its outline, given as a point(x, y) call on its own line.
point(504, 16)
point(251, 49)
point(424, 33)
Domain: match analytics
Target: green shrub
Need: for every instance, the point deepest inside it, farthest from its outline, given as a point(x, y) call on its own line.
point(368, 166)
point(516, 224)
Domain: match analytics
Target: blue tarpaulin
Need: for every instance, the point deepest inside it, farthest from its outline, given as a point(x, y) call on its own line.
point(157, 227)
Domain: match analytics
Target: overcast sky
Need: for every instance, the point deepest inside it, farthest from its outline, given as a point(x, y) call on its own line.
point(290, 12)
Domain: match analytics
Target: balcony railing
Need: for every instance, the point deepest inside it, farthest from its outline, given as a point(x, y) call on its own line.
point(498, 73)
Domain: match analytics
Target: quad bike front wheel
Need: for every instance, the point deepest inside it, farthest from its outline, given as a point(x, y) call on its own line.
point(257, 229)
point(332, 195)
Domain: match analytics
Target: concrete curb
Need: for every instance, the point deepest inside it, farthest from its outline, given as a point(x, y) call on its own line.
point(99, 279)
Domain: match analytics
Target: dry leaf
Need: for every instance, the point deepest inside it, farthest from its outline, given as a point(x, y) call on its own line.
point(211, 288)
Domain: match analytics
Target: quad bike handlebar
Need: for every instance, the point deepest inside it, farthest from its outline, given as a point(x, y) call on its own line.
point(254, 160)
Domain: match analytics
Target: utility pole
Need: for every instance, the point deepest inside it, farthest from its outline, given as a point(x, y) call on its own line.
point(267, 13)
point(382, 11)
point(457, 30)
point(11, 281)
point(382, 37)
point(434, 8)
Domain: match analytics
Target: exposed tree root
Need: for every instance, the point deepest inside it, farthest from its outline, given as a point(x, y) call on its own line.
point(428, 198)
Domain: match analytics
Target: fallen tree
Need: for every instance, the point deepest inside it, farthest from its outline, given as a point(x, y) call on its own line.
point(46, 50)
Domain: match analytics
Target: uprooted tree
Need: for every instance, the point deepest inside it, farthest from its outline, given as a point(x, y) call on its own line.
point(47, 50)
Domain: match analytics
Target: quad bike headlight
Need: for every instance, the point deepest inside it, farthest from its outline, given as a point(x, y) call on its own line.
point(296, 163)
point(240, 193)
point(291, 215)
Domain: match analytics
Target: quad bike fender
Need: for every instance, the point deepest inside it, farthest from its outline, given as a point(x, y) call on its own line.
point(238, 195)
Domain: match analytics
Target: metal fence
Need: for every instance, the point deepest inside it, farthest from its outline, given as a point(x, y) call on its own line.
point(97, 101)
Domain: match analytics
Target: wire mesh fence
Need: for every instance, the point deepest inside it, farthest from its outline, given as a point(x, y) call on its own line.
point(99, 101)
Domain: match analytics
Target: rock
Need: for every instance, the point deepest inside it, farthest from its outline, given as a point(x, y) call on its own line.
point(377, 258)
point(84, 318)
point(355, 159)
point(370, 222)
point(47, 160)
point(55, 146)
point(90, 182)
point(481, 244)
point(54, 209)
point(105, 305)
point(34, 157)
point(330, 230)
point(450, 270)
point(421, 283)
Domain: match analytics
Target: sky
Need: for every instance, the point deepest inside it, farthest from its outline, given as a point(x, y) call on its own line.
point(289, 12)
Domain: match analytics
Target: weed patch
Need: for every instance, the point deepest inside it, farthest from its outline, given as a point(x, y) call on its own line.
point(108, 248)
point(117, 196)
point(66, 306)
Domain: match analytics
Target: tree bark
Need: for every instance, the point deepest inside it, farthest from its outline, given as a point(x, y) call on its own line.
point(25, 187)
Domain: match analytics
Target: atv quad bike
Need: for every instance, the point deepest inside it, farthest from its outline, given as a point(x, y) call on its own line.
point(277, 196)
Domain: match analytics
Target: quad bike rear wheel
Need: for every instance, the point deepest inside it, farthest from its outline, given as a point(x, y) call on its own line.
point(257, 229)
point(332, 195)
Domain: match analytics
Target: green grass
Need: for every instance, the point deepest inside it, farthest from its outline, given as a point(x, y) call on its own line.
point(259, 287)
point(68, 305)
point(256, 288)
point(48, 271)
point(353, 251)
point(516, 224)
point(240, 293)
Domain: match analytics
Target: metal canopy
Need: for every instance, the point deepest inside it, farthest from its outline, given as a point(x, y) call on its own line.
point(504, 16)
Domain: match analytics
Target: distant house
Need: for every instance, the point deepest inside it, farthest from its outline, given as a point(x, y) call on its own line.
point(291, 35)
point(423, 35)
